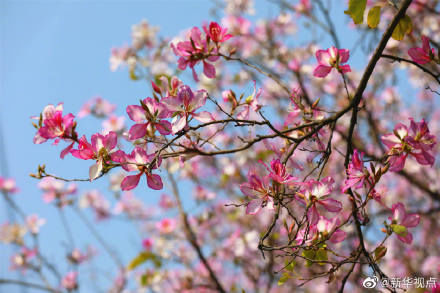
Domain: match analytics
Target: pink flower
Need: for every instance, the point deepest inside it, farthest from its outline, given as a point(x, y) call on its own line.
point(331, 58)
point(98, 107)
point(8, 185)
point(317, 192)
point(55, 190)
point(100, 150)
point(22, 260)
point(400, 221)
point(147, 243)
point(97, 202)
point(258, 190)
point(195, 50)
point(53, 125)
point(33, 223)
point(138, 160)
point(329, 227)
point(70, 281)
point(216, 33)
point(78, 257)
point(422, 55)
point(166, 226)
point(166, 202)
point(151, 113)
point(114, 123)
point(251, 103)
point(415, 141)
point(278, 172)
point(185, 104)
point(356, 173)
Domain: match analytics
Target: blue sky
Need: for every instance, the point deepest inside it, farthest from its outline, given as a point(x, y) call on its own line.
point(53, 51)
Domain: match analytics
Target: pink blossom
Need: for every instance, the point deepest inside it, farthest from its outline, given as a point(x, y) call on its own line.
point(114, 123)
point(331, 58)
point(356, 173)
point(53, 125)
point(203, 194)
point(278, 172)
point(401, 221)
point(329, 227)
point(55, 190)
point(132, 206)
point(97, 202)
point(415, 141)
point(166, 202)
point(8, 185)
point(138, 160)
point(33, 223)
point(258, 190)
point(424, 54)
point(185, 104)
point(151, 113)
point(100, 150)
point(216, 33)
point(317, 192)
point(22, 260)
point(78, 257)
point(98, 107)
point(147, 243)
point(166, 226)
point(251, 103)
point(70, 281)
point(195, 50)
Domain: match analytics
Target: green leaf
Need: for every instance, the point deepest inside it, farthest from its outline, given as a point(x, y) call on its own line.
point(356, 10)
point(290, 265)
point(399, 230)
point(403, 27)
point(283, 279)
point(142, 258)
point(380, 252)
point(133, 75)
point(321, 254)
point(373, 18)
point(310, 255)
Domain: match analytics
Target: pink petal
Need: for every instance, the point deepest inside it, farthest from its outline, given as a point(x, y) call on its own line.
point(323, 57)
point(338, 236)
point(203, 117)
point(418, 55)
point(322, 71)
point(95, 170)
point(397, 162)
point(179, 124)
point(137, 131)
point(344, 54)
point(254, 206)
point(345, 68)
point(130, 182)
point(111, 140)
point(164, 127)
point(136, 113)
point(407, 239)
point(66, 150)
point(154, 181)
point(313, 215)
point(411, 220)
point(208, 70)
point(331, 205)
point(248, 190)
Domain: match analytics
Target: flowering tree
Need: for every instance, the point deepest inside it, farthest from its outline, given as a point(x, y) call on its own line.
point(321, 177)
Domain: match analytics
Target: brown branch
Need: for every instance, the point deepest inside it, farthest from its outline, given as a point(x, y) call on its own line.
point(28, 285)
point(191, 236)
point(399, 59)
